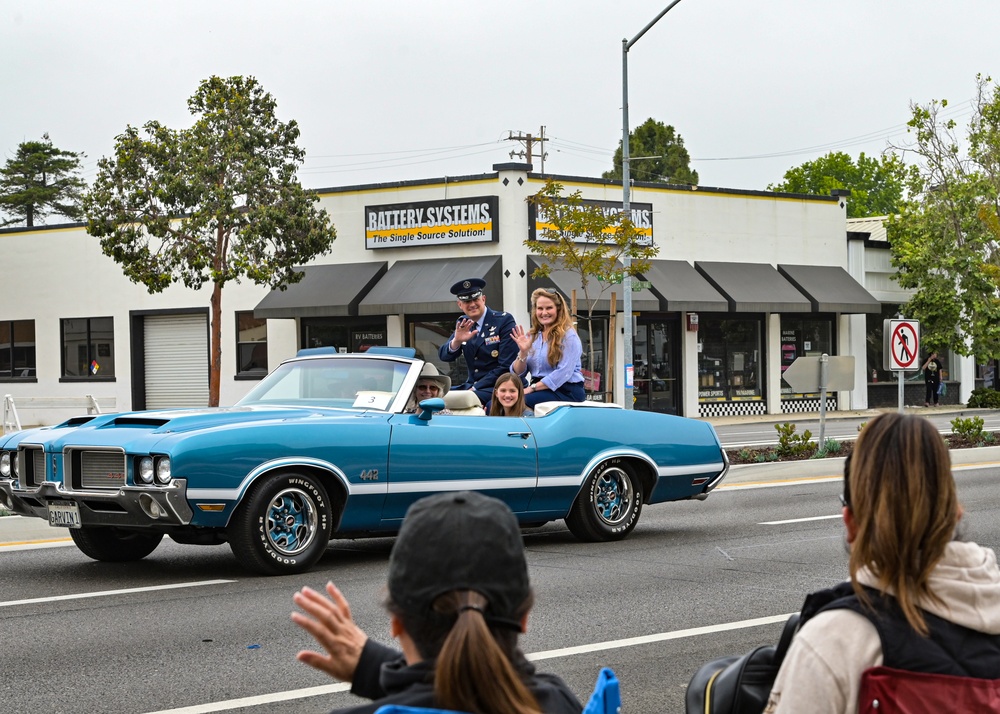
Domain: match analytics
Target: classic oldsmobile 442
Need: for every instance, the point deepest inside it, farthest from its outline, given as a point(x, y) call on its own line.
point(324, 447)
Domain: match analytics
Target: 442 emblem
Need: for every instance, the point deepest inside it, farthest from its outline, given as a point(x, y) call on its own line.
point(369, 475)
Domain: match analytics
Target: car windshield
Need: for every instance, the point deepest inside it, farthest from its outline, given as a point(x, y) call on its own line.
point(359, 383)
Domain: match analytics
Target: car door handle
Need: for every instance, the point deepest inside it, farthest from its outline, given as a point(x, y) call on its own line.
point(522, 434)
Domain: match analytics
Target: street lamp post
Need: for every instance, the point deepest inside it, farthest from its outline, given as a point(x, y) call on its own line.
point(626, 260)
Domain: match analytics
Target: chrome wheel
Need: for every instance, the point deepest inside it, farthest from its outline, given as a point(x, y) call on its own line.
point(292, 520)
point(613, 496)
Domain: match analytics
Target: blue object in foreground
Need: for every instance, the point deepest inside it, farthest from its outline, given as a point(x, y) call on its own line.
point(326, 447)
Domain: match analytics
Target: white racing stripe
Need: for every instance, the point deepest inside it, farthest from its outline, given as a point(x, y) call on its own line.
point(534, 657)
point(105, 593)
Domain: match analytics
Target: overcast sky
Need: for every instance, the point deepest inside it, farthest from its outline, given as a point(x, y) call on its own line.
point(407, 89)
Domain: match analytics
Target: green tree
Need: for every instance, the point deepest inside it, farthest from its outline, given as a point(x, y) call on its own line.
point(39, 181)
point(656, 153)
point(210, 204)
point(877, 185)
point(945, 240)
point(588, 240)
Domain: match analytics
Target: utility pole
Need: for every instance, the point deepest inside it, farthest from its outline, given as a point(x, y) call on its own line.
point(528, 141)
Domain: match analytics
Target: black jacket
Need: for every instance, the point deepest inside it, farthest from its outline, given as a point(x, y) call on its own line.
point(384, 677)
point(950, 649)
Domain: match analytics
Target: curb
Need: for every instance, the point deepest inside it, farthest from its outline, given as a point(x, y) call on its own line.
point(834, 467)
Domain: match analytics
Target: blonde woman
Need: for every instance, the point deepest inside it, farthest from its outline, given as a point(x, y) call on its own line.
point(550, 352)
point(508, 397)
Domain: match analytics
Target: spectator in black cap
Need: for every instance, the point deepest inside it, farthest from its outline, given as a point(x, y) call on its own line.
point(483, 336)
point(458, 598)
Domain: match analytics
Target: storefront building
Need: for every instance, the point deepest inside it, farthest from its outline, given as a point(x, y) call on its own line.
point(871, 259)
point(744, 283)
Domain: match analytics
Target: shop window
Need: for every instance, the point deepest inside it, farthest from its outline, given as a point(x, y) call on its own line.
point(88, 347)
point(251, 345)
point(594, 360)
point(875, 351)
point(729, 360)
point(874, 346)
point(17, 349)
point(346, 334)
point(427, 336)
point(804, 337)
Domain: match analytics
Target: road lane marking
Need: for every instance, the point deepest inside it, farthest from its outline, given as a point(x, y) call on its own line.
point(534, 657)
point(105, 593)
point(776, 484)
point(800, 520)
point(36, 544)
point(660, 637)
point(258, 700)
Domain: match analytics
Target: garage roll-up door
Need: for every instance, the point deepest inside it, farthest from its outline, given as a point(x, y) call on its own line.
point(176, 361)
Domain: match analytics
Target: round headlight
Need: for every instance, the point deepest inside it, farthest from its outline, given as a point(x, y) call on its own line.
point(163, 470)
point(5, 464)
point(146, 469)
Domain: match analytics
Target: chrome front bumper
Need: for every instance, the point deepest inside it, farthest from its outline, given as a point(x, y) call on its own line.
point(127, 506)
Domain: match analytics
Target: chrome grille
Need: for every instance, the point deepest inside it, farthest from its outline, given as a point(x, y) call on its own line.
point(102, 469)
point(37, 466)
point(30, 466)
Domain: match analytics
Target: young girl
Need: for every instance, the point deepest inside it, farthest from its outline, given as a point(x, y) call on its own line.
point(508, 397)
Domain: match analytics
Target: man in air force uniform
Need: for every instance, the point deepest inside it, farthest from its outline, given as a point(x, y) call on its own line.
point(483, 336)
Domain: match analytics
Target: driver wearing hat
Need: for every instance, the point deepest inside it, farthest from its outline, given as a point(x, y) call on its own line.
point(483, 336)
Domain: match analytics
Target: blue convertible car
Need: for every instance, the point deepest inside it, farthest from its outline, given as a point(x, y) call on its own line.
point(324, 447)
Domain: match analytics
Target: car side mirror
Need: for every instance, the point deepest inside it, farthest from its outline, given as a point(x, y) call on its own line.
point(428, 407)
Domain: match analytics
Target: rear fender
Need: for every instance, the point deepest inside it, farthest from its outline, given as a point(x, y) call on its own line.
point(644, 467)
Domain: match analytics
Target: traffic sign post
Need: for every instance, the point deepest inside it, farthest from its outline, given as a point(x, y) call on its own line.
point(901, 345)
point(810, 374)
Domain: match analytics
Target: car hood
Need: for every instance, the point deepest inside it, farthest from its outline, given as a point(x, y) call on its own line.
point(149, 427)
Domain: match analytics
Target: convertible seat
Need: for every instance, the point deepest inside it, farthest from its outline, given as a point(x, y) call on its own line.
point(464, 403)
point(543, 408)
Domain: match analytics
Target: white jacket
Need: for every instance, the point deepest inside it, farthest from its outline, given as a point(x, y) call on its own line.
point(821, 673)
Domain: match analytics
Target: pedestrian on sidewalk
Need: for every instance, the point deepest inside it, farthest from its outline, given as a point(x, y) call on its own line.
point(932, 379)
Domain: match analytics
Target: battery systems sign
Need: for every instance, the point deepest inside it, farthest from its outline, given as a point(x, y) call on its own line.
point(642, 219)
point(405, 225)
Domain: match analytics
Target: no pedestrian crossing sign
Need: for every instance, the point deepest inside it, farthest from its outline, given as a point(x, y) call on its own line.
point(901, 345)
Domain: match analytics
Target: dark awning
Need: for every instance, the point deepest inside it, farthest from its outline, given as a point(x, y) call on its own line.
point(754, 287)
point(325, 290)
point(566, 281)
point(830, 288)
point(682, 288)
point(423, 286)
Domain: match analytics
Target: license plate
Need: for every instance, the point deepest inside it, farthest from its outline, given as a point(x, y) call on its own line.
point(64, 515)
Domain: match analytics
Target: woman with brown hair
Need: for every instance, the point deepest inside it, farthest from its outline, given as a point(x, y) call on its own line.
point(917, 600)
point(459, 597)
point(508, 397)
point(550, 351)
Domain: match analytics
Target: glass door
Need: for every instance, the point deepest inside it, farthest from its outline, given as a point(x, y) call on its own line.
point(657, 366)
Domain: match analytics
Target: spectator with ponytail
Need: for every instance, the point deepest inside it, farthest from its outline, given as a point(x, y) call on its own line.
point(458, 598)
